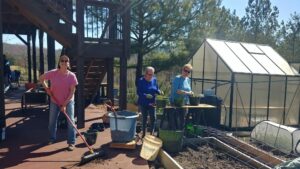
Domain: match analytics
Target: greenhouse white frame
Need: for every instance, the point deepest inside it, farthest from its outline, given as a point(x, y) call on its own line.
point(253, 80)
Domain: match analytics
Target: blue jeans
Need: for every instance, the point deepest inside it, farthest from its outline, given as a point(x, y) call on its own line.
point(148, 110)
point(53, 117)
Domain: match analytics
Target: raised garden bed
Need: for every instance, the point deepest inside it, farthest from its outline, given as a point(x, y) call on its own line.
point(208, 157)
point(209, 152)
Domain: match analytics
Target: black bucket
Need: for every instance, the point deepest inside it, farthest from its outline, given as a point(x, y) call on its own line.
point(90, 136)
point(97, 126)
point(194, 100)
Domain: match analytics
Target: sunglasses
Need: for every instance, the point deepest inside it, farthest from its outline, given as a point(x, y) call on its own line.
point(187, 71)
point(64, 61)
point(150, 74)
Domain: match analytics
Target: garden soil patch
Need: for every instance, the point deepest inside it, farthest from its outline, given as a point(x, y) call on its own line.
point(207, 157)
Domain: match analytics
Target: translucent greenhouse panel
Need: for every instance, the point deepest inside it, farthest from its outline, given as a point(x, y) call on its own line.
point(197, 63)
point(241, 100)
point(252, 48)
point(296, 141)
point(210, 64)
point(296, 67)
point(197, 87)
point(228, 56)
point(277, 59)
point(268, 64)
point(259, 98)
point(277, 93)
point(224, 92)
point(246, 58)
point(210, 67)
point(278, 136)
point(292, 101)
point(224, 73)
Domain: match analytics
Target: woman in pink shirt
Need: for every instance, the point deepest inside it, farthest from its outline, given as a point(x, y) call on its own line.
point(63, 83)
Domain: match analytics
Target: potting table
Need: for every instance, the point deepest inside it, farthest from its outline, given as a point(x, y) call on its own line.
point(32, 96)
point(202, 114)
point(174, 118)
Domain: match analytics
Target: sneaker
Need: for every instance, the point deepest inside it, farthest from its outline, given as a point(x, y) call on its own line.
point(51, 142)
point(71, 147)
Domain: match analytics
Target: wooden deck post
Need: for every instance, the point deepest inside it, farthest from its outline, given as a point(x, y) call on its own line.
point(80, 101)
point(50, 52)
point(2, 104)
point(29, 58)
point(41, 46)
point(126, 54)
point(34, 56)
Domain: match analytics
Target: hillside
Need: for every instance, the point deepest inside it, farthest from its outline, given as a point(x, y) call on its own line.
point(17, 54)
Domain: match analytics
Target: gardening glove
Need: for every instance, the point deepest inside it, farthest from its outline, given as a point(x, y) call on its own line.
point(149, 96)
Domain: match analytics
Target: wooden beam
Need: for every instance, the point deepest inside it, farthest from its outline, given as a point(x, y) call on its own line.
point(126, 54)
point(21, 29)
point(34, 56)
point(23, 40)
point(15, 19)
point(29, 57)
point(100, 51)
point(80, 100)
point(2, 103)
point(36, 13)
point(41, 45)
point(50, 52)
point(101, 4)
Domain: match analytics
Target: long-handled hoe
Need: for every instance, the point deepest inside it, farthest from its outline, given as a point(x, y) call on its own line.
point(93, 154)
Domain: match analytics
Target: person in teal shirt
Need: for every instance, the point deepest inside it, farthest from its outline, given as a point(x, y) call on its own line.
point(181, 85)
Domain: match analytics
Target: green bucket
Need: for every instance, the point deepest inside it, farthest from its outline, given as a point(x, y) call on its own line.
point(179, 102)
point(172, 140)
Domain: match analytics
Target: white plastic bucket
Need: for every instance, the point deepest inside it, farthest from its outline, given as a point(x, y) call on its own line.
point(151, 147)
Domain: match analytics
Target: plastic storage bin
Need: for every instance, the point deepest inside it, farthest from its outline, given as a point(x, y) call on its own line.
point(122, 126)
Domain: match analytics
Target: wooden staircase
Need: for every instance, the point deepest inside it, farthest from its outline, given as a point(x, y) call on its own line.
point(55, 18)
point(94, 73)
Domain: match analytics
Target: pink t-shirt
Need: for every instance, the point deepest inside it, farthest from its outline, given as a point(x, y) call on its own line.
point(61, 84)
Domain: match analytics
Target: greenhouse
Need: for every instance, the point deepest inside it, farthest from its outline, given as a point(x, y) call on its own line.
point(253, 80)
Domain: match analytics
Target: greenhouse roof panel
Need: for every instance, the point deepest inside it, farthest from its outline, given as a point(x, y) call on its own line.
point(230, 59)
point(243, 57)
point(277, 59)
point(268, 64)
point(246, 58)
point(252, 48)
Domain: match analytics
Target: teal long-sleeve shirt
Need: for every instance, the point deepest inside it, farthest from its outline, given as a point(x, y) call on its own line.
point(180, 83)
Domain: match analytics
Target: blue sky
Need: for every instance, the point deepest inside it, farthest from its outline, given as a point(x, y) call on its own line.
point(286, 7)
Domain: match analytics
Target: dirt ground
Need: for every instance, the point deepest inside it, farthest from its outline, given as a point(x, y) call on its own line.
point(206, 157)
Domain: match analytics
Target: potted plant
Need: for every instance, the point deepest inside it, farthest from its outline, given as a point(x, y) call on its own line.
point(194, 100)
point(179, 102)
point(161, 101)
